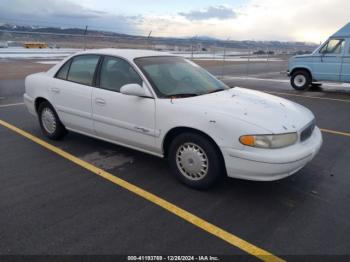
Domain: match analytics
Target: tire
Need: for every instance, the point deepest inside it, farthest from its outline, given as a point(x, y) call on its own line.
point(301, 80)
point(50, 124)
point(185, 155)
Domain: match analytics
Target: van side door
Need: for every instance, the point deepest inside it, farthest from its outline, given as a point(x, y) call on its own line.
point(328, 68)
point(345, 72)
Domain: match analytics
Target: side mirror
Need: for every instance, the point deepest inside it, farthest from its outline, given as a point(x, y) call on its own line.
point(133, 90)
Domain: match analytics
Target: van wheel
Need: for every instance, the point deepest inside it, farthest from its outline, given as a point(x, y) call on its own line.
point(301, 80)
point(50, 124)
point(195, 161)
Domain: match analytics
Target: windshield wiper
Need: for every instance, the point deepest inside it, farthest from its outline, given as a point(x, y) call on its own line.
point(181, 95)
point(215, 91)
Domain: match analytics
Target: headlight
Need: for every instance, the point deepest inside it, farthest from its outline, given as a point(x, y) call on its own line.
point(269, 141)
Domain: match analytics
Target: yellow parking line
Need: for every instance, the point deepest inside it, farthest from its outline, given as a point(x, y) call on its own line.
point(185, 215)
point(311, 97)
point(334, 132)
point(8, 105)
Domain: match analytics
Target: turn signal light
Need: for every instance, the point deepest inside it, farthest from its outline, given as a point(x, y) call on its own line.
point(247, 140)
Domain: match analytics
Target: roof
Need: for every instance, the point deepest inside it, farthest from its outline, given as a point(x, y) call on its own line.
point(129, 54)
point(343, 32)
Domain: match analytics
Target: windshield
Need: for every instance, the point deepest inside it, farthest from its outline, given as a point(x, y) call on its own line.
point(176, 76)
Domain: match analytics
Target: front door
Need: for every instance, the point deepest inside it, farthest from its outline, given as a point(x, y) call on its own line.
point(345, 72)
point(127, 120)
point(328, 67)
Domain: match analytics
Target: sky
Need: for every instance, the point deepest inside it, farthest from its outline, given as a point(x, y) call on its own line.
point(280, 20)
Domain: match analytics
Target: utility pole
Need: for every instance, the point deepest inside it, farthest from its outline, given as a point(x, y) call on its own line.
point(224, 57)
point(192, 47)
point(267, 56)
point(148, 39)
point(85, 33)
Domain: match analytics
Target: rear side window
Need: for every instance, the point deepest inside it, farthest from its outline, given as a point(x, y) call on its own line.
point(116, 72)
point(63, 73)
point(82, 69)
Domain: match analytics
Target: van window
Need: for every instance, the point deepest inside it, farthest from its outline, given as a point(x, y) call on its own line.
point(333, 46)
point(82, 69)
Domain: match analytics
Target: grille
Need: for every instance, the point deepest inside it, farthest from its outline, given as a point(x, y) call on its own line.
point(307, 132)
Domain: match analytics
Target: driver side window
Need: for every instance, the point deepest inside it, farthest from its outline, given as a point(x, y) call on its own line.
point(333, 46)
point(116, 72)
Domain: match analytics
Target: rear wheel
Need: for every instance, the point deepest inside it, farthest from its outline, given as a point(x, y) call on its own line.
point(301, 80)
point(195, 160)
point(50, 124)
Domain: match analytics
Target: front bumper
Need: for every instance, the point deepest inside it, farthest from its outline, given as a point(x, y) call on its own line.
point(271, 164)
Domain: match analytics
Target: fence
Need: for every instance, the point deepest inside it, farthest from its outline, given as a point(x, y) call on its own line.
point(207, 53)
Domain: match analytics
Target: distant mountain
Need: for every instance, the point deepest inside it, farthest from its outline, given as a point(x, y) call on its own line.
point(206, 38)
point(55, 30)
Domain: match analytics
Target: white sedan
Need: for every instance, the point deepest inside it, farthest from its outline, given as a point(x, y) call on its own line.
point(169, 107)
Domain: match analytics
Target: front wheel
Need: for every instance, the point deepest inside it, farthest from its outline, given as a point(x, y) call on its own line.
point(195, 161)
point(50, 124)
point(301, 80)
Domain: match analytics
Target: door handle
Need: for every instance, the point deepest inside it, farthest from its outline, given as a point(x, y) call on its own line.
point(100, 101)
point(143, 130)
point(55, 90)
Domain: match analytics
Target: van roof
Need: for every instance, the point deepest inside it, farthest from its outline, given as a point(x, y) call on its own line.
point(343, 32)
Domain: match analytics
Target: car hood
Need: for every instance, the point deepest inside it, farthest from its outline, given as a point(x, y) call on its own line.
point(272, 113)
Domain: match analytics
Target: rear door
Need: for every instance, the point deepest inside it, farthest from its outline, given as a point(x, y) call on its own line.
point(71, 92)
point(328, 68)
point(345, 72)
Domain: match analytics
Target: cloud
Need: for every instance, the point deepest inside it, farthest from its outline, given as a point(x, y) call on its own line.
point(63, 13)
point(53, 8)
point(220, 12)
point(291, 20)
point(287, 20)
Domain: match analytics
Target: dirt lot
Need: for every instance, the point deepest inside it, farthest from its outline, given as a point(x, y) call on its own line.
point(19, 69)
